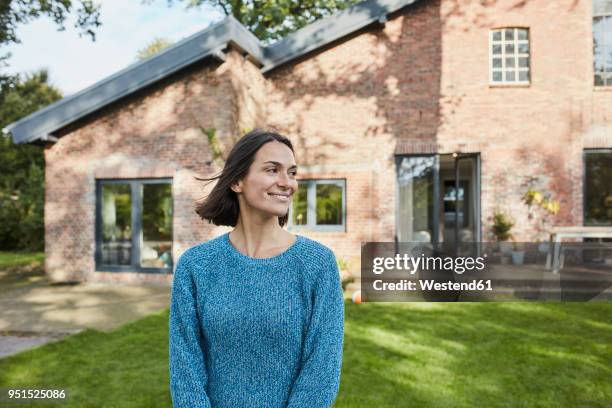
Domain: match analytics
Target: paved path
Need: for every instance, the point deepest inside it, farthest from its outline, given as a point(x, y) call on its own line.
point(36, 314)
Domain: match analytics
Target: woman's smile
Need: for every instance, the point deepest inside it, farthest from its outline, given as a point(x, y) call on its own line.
point(284, 197)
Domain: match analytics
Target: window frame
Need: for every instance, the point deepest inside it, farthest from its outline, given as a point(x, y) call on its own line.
point(516, 56)
point(136, 225)
point(586, 152)
point(605, 47)
point(311, 207)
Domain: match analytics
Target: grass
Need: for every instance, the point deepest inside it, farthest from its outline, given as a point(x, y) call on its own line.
point(18, 269)
point(14, 259)
point(395, 355)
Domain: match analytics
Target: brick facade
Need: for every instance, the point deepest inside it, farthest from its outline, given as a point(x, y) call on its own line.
point(417, 84)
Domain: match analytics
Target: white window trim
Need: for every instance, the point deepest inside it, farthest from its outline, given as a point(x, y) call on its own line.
point(311, 207)
point(516, 42)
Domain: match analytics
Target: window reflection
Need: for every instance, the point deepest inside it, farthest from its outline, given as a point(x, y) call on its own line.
point(156, 251)
point(116, 224)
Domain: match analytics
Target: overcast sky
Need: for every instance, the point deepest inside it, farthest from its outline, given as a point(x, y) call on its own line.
point(127, 26)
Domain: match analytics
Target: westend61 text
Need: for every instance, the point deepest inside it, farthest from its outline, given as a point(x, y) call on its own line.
point(428, 284)
point(410, 263)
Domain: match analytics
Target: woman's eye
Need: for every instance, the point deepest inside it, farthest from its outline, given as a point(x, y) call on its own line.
point(272, 169)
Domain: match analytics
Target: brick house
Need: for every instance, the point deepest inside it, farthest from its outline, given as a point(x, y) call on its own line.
point(380, 100)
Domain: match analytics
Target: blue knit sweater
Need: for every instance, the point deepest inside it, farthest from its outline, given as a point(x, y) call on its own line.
point(256, 332)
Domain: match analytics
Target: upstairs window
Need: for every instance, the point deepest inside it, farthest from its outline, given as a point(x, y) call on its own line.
point(602, 42)
point(509, 56)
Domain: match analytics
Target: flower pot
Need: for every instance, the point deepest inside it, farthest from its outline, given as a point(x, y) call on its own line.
point(518, 257)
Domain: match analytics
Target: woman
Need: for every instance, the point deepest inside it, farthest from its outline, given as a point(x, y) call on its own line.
point(256, 314)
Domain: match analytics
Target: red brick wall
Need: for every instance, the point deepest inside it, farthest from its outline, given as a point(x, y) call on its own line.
point(155, 133)
point(418, 84)
point(421, 84)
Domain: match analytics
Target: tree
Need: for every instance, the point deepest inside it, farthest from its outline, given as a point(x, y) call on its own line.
point(16, 12)
point(22, 166)
point(153, 48)
point(270, 20)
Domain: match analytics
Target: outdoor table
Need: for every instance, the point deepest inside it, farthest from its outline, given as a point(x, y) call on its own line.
point(558, 233)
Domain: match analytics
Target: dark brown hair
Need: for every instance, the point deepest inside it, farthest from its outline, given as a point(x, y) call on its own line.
point(221, 207)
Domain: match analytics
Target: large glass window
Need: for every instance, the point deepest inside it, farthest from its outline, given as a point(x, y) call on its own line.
point(598, 187)
point(134, 225)
point(509, 56)
point(602, 42)
point(319, 205)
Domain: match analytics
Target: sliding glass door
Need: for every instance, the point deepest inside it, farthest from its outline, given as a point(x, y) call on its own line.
point(134, 225)
point(438, 198)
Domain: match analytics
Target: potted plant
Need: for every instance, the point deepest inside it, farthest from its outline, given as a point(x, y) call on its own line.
point(502, 225)
point(541, 207)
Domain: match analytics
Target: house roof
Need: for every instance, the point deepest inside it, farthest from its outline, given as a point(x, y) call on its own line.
point(206, 44)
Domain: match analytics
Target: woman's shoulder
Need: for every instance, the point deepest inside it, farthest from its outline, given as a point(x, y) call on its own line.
point(315, 249)
point(204, 251)
point(317, 256)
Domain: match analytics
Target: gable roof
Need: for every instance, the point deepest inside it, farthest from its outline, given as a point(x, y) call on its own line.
point(208, 43)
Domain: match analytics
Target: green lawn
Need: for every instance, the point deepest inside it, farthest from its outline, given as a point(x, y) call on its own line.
point(396, 355)
point(12, 259)
point(20, 268)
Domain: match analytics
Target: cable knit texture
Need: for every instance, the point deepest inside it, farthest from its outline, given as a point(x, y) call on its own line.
point(256, 332)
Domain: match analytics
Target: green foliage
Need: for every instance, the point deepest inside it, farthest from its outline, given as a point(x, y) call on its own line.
point(213, 142)
point(154, 47)
point(502, 224)
point(22, 166)
point(13, 13)
point(270, 20)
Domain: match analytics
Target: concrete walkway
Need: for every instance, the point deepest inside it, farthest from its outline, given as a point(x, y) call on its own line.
point(36, 314)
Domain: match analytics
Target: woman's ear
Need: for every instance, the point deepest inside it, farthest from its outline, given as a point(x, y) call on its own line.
point(236, 187)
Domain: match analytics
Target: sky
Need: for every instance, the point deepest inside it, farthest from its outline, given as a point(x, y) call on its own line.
point(76, 62)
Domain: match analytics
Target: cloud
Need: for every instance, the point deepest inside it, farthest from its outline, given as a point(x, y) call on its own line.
point(127, 26)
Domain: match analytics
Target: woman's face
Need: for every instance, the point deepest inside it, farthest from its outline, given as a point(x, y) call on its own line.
point(271, 180)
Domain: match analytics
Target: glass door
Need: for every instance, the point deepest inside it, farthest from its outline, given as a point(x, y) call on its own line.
point(417, 206)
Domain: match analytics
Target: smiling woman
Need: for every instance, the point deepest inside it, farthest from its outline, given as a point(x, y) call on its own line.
point(257, 314)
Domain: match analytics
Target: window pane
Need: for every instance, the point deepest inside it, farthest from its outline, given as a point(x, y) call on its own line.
point(497, 49)
point(509, 48)
point(497, 76)
point(524, 62)
point(607, 50)
point(497, 62)
point(415, 176)
point(598, 189)
point(523, 48)
point(509, 34)
point(509, 75)
point(522, 33)
point(599, 79)
point(509, 62)
point(116, 224)
point(329, 204)
point(497, 36)
point(609, 74)
point(300, 205)
point(598, 44)
point(523, 76)
point(156, 251)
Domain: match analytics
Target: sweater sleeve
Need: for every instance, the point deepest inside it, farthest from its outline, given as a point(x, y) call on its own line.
point(318, 381)
point(188, 376)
